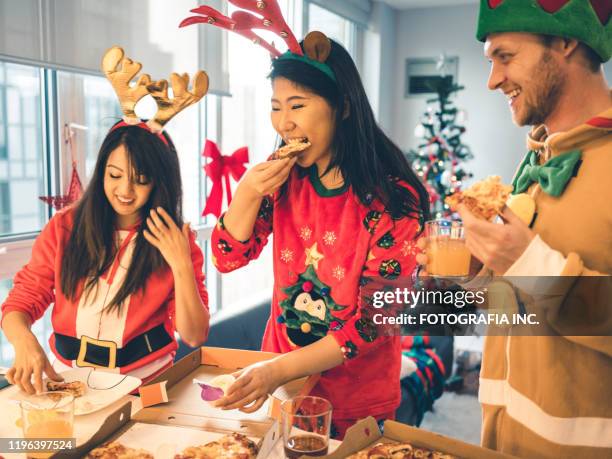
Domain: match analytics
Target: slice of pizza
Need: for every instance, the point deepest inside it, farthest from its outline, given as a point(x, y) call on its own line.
point(293, 148)
point(439, 455)
point(116, 450)
point(485, 198)
point(396, 450)
point(232, 446)
point(377, 451)
point(76, 388)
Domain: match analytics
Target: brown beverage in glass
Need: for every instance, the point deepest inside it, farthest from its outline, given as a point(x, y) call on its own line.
point(305, 423)
point(300, 445)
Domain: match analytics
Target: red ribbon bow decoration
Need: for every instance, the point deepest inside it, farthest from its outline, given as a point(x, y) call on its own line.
point(219, 171)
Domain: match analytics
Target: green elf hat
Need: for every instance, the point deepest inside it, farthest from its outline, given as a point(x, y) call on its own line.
point(588, 21)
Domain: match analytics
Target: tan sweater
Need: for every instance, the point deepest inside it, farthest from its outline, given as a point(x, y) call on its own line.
point(551, 396)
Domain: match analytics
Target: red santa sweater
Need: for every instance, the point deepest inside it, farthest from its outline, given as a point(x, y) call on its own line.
point(36, 286)
point(325, 244)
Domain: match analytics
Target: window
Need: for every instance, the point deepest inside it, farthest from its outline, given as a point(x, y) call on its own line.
point(87, 108)
point(187, 132)
point(3, 123)
point(21, 150)
point(6, 350)
point(245, 121)
point(5, 208)
point(334, 26)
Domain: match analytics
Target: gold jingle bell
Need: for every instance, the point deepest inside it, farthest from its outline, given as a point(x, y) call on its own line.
point(523, 205)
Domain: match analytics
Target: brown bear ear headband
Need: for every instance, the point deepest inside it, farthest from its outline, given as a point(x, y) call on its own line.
point(121, 70)
point(269, 17)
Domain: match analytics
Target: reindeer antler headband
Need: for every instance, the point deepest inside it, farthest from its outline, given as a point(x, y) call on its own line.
point(121, 70)
point(316, 45)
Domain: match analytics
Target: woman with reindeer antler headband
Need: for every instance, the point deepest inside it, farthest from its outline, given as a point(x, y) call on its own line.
point(121, 267)
point(344, 208)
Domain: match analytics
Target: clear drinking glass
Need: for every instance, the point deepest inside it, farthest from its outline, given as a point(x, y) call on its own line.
point(47, 415)
point(306, 423)
point(447, 255)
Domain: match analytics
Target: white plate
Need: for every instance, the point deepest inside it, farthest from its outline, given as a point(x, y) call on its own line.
point(103, 388)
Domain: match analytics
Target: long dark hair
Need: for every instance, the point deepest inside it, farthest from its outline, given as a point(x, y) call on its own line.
point(368, 160)
point(92, 246)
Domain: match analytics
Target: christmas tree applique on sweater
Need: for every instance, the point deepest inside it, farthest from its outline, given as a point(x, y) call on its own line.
point(307, 310)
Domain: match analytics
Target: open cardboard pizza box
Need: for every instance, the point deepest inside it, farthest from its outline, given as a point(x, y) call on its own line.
point(186, 420)
point(163, 435)
point(205, 364)
point(366, 433)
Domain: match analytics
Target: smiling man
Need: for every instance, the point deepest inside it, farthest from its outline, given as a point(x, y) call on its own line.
point(549, 396)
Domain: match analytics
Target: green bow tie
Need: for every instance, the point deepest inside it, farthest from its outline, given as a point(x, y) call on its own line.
point(552, 176)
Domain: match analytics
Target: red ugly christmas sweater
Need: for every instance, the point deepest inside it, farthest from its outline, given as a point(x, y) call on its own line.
point(326, 242)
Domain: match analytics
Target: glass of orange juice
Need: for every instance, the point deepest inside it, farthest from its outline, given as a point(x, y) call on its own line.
point(447, 255)
point(47, 415)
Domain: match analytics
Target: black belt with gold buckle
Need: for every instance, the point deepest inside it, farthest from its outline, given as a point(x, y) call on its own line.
point(91, 352)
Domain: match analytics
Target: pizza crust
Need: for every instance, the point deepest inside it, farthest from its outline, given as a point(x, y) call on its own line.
point(115, 450)
point(232, 446)
point(396, 450)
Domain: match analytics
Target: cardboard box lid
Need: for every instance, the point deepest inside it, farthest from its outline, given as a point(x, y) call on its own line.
point(366, 432)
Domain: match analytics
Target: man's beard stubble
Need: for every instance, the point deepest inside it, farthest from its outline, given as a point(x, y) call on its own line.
point(547, 87)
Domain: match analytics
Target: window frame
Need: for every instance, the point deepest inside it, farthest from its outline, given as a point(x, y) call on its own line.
point(47, 148)
point(3, 123)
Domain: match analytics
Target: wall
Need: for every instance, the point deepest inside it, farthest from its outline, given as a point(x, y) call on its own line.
point(498, 145)
point(380, 53)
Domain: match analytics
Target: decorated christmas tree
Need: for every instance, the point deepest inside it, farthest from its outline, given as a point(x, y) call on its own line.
point(439, 158)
